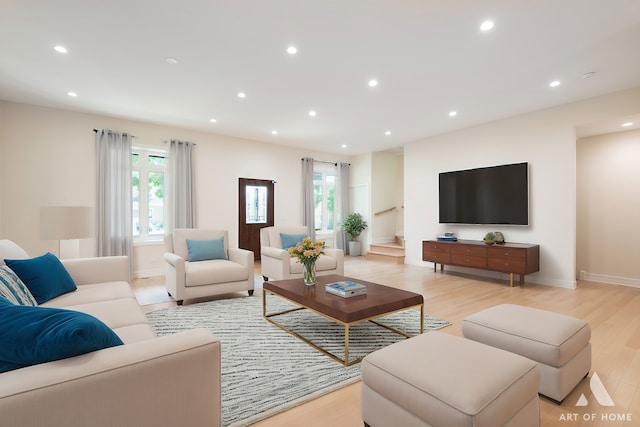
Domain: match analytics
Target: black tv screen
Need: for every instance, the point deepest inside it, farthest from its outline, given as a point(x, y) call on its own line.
point(491, 195)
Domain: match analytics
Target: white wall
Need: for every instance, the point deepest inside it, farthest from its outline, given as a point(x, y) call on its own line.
point(48, 159)
point(546, 140)
point(608, 201)
point(2, 182)
point(399, 192)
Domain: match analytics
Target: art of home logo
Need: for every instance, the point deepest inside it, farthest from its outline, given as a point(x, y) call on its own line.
point(603, 398)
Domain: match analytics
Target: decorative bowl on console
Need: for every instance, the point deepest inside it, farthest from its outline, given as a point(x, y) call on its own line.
point(489, 238)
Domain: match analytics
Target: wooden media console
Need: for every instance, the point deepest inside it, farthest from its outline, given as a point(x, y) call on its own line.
point(512, 258)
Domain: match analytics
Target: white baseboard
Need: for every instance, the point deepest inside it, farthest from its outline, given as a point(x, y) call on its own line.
point(142, 274)
point(614, 280)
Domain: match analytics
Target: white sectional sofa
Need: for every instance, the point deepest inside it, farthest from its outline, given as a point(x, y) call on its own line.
point(149, 381)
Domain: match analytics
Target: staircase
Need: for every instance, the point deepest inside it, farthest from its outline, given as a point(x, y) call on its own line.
point(387, 251)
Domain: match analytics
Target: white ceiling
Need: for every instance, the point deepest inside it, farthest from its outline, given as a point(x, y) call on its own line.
point(429, 57)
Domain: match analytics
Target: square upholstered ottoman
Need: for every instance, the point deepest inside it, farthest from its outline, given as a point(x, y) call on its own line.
point(436, 379)
point(559, 343)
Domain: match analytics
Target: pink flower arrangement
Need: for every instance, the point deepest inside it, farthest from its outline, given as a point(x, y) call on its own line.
point(307, 251)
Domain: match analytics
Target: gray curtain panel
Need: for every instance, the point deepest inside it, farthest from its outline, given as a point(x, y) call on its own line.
point(308, 203)
point(180, 206)
point(342, 198)
point(114, 234)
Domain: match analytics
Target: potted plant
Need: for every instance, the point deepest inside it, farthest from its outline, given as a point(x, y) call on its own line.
point(353, 224)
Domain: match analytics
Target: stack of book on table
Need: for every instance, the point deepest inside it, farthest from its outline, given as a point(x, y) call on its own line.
point(346, 288)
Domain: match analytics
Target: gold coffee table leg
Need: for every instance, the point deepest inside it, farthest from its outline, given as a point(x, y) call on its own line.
point(346, 344)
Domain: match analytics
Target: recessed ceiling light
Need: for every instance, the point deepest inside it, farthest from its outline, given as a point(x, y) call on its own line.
point(292, 50)
point(60, 49)
point(344, 146)
point(172, 61)
point(213, 120)
point(627, 124)
point(373, 83)
point(274, 132)
point(453, 113)
point(312, 113)
point(486, 25)
point(554, 83)
point(242, 95)
point(72, 94)
point(388, 133)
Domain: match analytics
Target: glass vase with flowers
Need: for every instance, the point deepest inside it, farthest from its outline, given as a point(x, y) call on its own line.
point(307, 252)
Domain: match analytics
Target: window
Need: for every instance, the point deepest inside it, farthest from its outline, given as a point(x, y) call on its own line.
point(256, 199)
point(147, 181)
point(324, 190)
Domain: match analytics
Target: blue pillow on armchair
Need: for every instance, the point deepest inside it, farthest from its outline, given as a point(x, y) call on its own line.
point(45, 276)
point(32, 335)
point(204, 250)
point(290, 240)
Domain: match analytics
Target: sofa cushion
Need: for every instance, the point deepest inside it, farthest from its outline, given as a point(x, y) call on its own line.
point(203, 250)
point(291, 240)
point(13, 289)
point(134, 333)
point(214, 271)
point(33, 335)
point(323, 263)
point(95, 292)
point(45, 276)
point(114, 313)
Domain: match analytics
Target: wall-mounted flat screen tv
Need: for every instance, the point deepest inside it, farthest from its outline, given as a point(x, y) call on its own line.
point(490, 195)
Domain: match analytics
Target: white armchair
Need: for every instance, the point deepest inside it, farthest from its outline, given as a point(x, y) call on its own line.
point(277, 264)
point(198, 264)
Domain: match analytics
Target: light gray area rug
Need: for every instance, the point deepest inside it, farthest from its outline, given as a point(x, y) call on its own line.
point(266, 370)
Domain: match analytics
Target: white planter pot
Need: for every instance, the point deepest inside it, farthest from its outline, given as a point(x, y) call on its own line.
point(355, 248)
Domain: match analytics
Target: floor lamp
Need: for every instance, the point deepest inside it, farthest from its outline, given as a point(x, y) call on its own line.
point(66, 224)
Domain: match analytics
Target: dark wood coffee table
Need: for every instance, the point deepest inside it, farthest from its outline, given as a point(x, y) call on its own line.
point(379, 301)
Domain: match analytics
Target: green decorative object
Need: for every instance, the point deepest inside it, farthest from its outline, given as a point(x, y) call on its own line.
point(489, 238)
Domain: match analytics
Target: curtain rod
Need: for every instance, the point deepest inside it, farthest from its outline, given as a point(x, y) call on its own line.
point(329, 163)
point(98, 130)
point(192, 143)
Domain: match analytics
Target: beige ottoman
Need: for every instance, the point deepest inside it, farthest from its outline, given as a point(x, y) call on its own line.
point(560, 344)
point(437, 379)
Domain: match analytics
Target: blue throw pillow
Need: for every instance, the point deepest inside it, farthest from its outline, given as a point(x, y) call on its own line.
point(203, 250)
point(12, 288)
point(290, 240)
point(33, 335)
point(45, 276)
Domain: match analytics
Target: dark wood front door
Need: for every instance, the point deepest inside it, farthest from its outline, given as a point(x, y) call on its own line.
point(255, 211)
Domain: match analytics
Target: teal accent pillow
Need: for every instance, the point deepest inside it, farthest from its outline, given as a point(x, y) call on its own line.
point(33, 335)
point(203, 250)
point(290, 240)
point(45, 276)
point(13, 289)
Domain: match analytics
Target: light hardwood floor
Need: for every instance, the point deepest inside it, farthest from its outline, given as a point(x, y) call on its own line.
point(612, 311)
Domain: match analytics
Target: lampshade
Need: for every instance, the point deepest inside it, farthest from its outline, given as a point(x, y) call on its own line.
point(66, 222)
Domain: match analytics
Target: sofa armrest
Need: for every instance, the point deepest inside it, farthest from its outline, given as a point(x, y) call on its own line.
point(241, 256)
point(175, 275)
point(166, 381)
point(175, 260)
point(98, 269)
point(277, 253)
point(338, 255)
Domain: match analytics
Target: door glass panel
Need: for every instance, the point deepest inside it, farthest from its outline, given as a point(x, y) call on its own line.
point(256, 199)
